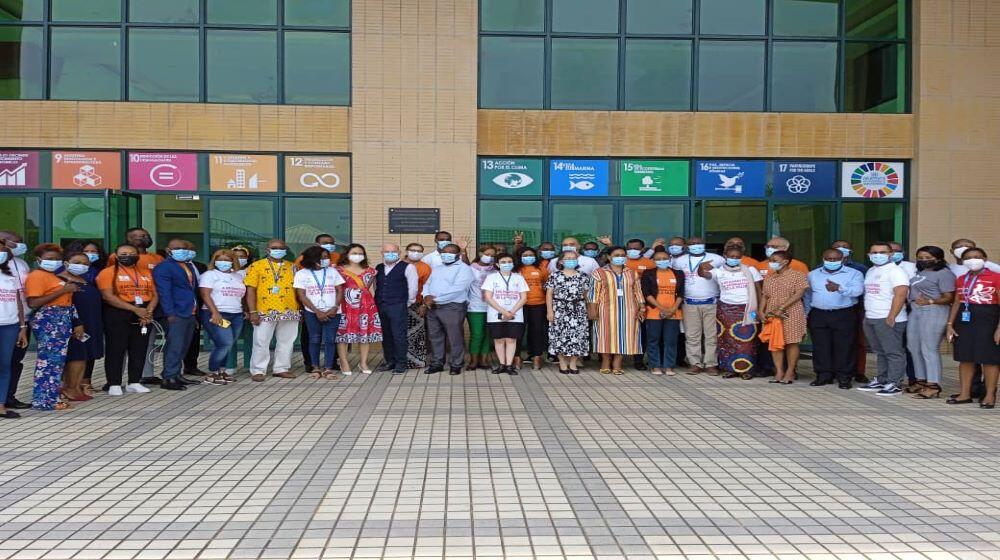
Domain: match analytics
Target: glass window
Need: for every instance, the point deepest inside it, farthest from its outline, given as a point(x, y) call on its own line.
point(731, 76)
point(24, 10)
point(585, 16)
point(317, 68)
point(254, 12)
point(22, 213)
point(585, 222)
point(242, 66)
point(804, 77)
point(875, 19)
point(162, 65)
point(513, 15)
point(806, 226)
point(864, 223)
point(499, 219)
point(23, 57)
point(168, 217)
point(77, 218)
point(649, 221)
point(86, 10)
point(240, 221)
point(875, 76)
point(511, 71)
point(733, 17)
point(725, 219)
point(665, 17)
point(806, 18)
point(584, 73)
point(86, 63)
point(158, 11)
point(329, 13)
point(305, 218)
point(658, 75)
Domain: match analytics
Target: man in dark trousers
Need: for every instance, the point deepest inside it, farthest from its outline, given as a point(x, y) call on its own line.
point(446, 298)
point(194, 349)
point(834, 289)
point(177, 285)
point(395, 291)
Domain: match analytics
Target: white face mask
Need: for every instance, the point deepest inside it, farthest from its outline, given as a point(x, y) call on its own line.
point(355, 258)
point(975, 265)
point(415, 255)
point(959, 251)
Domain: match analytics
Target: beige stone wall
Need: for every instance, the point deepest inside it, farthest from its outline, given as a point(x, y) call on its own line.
point(956, 192)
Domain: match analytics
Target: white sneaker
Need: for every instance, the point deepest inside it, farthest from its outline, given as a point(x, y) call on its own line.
point(115, 391)
point(135, 388)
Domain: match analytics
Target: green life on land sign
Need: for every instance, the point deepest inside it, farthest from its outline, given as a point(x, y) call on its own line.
point(654, 177)
point(510, 177)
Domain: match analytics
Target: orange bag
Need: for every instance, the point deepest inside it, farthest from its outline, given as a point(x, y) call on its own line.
point(773, 333)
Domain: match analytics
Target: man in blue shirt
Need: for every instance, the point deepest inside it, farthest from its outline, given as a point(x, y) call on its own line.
point(834, 289)
point(445, 301)
point(176, 282)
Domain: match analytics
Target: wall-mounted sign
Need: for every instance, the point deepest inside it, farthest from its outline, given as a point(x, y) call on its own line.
point(86, 170)
point(510, 177)
point(730, 179)
point(414, 220)
point(872, 179)
point(318, 174)
point(19, 170)
point(578, 177)
point(805, 179)
point(654, 178)
point(243, 173)
point(162, 171)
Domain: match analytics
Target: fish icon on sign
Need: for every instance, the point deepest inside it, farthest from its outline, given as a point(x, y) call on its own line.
point(581, 185)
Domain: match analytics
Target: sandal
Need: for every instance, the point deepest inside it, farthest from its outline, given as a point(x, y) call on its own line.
point(729, 375)
point(87, 389)
point(746, 376)
point(670, 373)
point(315, 374)
point(915, 387)
point(330, 375)
point(605, 371)
point(617, 372)
point(61, 405)
point(227, 378)
point(930, 391)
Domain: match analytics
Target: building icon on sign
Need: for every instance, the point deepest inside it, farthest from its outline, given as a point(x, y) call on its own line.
point(241, 182)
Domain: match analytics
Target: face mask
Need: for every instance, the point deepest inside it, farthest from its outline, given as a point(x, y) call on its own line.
point(223, 266)
point(390, 257)
point(78, 269)
point(775, 266)
point(506, 267)
point(191, 255)
point(732, 262)
point(50, 266)
point(568, 248)
point(443, 244)
point(844, 251)
point(528, 259)
point(592, 253)
point(19, 249)
point(878, 259)
point(618, 261)
point(415, 255)
point(324, 263)
point(486, 259)
point(633, 253)
point(696, 249)
point(127, 260)
point(975, 265)
point(277, 254)
point(3, 257)
point(675, 249)
point(243, 262)
point(897, 257)
point(179, 255)
point(548, 254)
point(957, 251)
point(145, 242)
point(924, 265)
point(833, 266)
point(770, 251)
point(569, 263)
point(448, 258)
point(662, 265)
point(92, 257)
point(329, 246)
point(355, 258)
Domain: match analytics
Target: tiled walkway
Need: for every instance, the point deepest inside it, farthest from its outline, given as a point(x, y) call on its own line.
point(540, 465)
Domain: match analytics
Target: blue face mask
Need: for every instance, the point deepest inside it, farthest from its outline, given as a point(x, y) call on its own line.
point(78, 269)
point(243, 262)
point(844, 251)
point(92, 257)
point(774, 265)
point(696, 249)
point(324, 263)
point(486, 259)
point(878, 259)
point(548, 254)
point(329, 246)
point(390, 257)
point(732, 262)
point(443, 244)
point(191, 254)
point(50, 266)
point(506, 267)
point(898, 257)
point(448, 258)
point(569, 263)
point(3, 257)
point(277, 254)
point(618, 261)
point(833, 266)
point(223, 266)
point(179, 255)
point(592, 253)
point(662, 265)
point(633, 253)
point(19, 249)
point(675, 249)
point(528, 259)
point(770, 251)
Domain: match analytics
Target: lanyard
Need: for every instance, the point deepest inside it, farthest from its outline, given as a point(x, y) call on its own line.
point(322, 285)
point(967, 286)
point(276, 274)
point(695, 267)
point(134, 278)
point(506, 280)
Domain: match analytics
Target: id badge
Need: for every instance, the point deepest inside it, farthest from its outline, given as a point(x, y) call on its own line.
point(966, 316)
point(621, 292)
point(138, 300)
point(275, 290)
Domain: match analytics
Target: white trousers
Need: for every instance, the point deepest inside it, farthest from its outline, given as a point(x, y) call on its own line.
point(285, 333)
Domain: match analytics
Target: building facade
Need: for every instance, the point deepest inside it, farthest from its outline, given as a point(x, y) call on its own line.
point(234, 121)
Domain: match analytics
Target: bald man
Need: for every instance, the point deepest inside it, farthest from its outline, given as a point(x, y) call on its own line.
point(586, 265)
point(780, 244)
point(395, 290)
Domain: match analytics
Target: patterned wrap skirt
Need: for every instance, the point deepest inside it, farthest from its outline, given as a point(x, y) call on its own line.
point(737, 342)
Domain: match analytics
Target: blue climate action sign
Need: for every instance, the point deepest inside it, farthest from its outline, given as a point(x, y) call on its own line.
point(805, 179)
point(578, 177)
point(731, 179)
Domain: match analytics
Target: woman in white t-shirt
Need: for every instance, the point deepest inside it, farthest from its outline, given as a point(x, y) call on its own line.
point(13, 328)
point(736, 312)
point(505, 292)
point(320, 290)
point(245, 334)
point(221, 288)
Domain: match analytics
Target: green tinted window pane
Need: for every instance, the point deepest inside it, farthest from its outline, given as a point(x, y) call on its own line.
point(23, 59)
point(733, 17)
point(512, 15)
point(658, 75)
point(163, 65)
point(659, 16)
point(160, 11)
point(21, 10)
point(725, 219)
point(86, 63)
point(22, 214)
point(305, 218)
point(255, 12)
point(189, 225)
point(511, 72)
point(242, 66)
point(240, 222)
point(86, 10)
point(806, 18)
point(328, 13)
point(875, 76)
point(317, 68)
point(584, 73)
point(731, 76)
point(648, 221)
point(804, 77)
point(77, 218)
point(585, 222)
point(498, 220)
point(585, 16)
point(875, 19)
point(806, 226)
point(864, 223)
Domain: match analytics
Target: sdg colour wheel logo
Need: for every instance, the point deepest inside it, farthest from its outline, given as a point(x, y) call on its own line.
point(875, 180)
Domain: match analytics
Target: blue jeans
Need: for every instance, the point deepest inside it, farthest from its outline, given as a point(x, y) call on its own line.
point(222, 339)
point(8, 341)
point(661, 342)
point(175, 347)
point(322, 334)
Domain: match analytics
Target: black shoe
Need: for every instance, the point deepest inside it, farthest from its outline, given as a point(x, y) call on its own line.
point(10, 414)
point(386, 367)
point(819, 383)
point(511, 370)
point(151, 381)
point(173, 385)
point(574, 371)
point(17, 405)
point(552, 359)
point(195, 373)
point(398, 371)
point(455, 371)
point(433, 369)
point(187, 381)
point(862, 378)
point(499, 369)
point(986, 405)
point(640, 366)
point(844, 385)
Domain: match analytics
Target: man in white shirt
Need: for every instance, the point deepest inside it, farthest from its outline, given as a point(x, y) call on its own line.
point(441, 240)
point(700, 298)
point(957, 248)
point(886, 288)
point(395, 291)
point(446, 297)
point(20, 269)
point(899, 257)
point(585, 264)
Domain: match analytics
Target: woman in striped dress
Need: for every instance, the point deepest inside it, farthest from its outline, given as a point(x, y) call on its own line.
point(616, 307)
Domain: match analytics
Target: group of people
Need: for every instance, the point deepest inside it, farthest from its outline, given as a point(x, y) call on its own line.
point(724, 314)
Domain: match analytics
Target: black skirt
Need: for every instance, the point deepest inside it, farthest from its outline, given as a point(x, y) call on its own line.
point(974, 342)
point(506, 329)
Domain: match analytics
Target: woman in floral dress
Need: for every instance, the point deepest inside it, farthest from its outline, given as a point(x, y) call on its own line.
point(359, 322)
point(566, 293)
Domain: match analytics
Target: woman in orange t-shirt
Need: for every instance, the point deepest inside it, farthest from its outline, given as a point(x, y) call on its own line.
point(536, 325)
point(663, 290)
point(54, 322)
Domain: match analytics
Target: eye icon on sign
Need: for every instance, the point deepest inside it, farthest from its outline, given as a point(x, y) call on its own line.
point(313, 180)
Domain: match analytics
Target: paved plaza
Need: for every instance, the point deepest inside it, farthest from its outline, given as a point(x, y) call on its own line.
point(483, 466)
